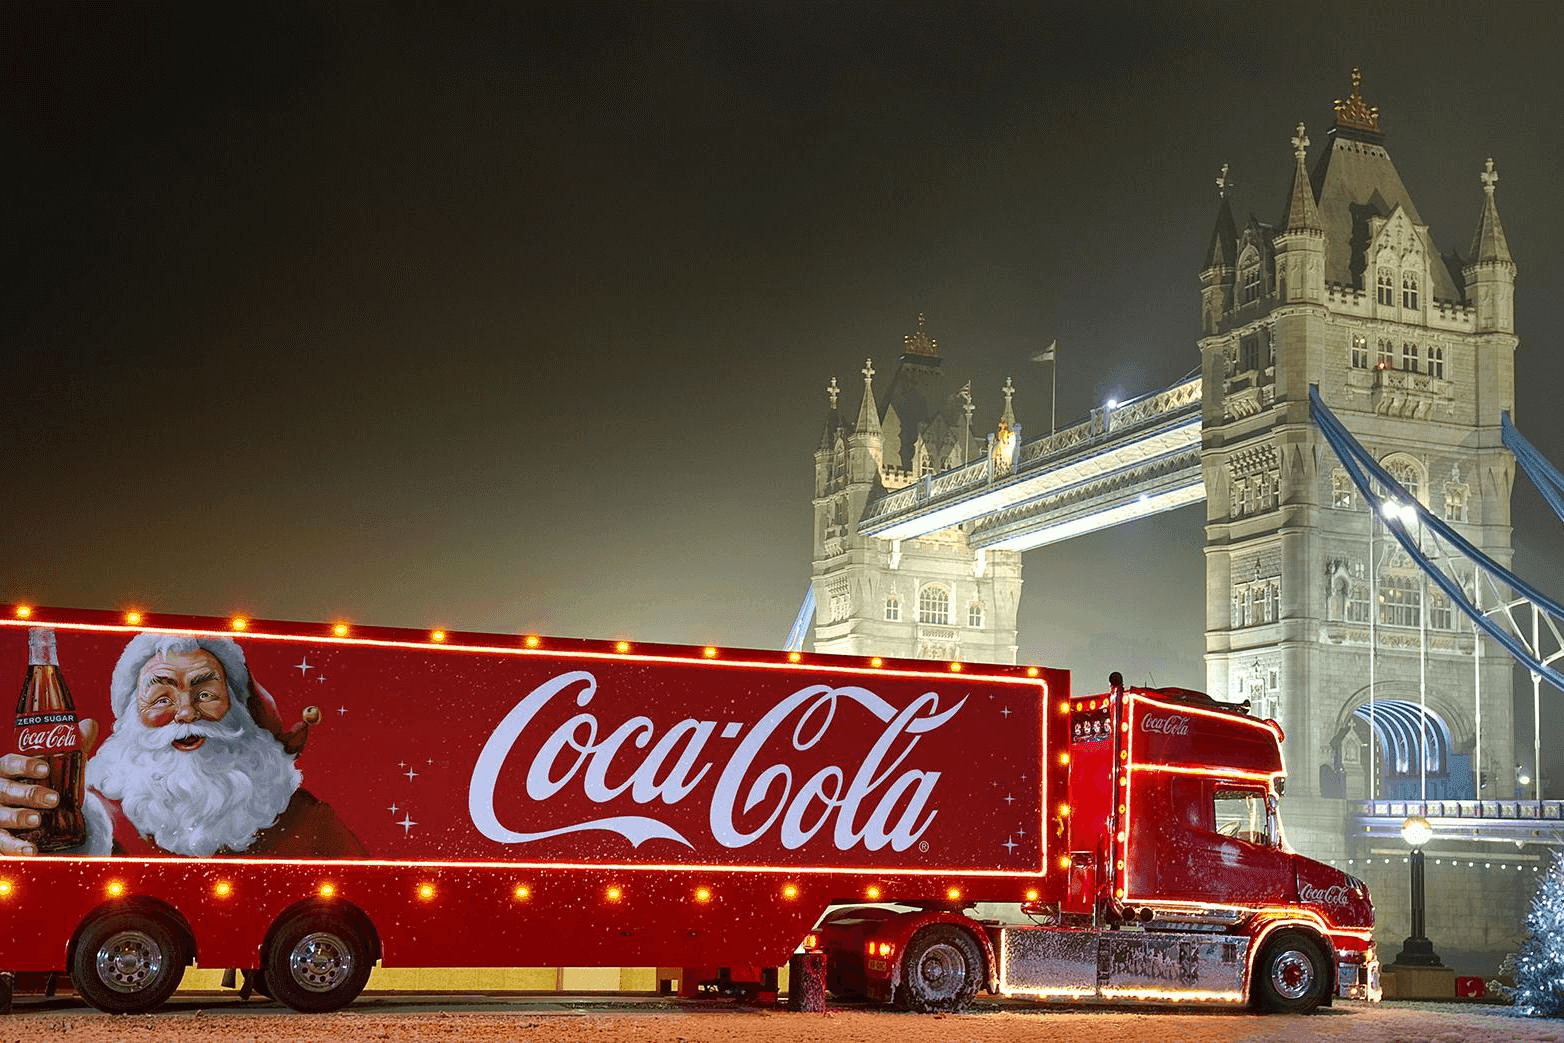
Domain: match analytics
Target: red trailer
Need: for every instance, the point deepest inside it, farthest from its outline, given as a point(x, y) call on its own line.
point(459, 799)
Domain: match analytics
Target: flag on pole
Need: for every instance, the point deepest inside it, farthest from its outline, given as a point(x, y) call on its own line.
point(1047, 354)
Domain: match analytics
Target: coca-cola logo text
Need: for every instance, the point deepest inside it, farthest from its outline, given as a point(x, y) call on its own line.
point(1336, 894)
point(56, 738)
point(1172, 724)
point(881, 800)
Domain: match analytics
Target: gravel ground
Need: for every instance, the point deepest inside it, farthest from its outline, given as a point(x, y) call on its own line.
point(558, 1022)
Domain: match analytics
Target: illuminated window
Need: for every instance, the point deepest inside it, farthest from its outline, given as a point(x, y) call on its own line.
point(1409, 357)
point(1440, 612)
point(1408, 474)
point(1385, 292)
point(975, 614)
point(1436, 362)
point(934, 606)
point(893, 609)
point(1387, 354)
point(1408, 290)
point(1360, 353)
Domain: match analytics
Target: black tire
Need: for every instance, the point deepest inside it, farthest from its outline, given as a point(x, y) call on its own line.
point(316, 962)
point(1291, 975)
point(941, 970)
point(128, 962)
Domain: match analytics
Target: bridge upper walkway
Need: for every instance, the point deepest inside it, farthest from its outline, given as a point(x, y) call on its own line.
point(1126, 461)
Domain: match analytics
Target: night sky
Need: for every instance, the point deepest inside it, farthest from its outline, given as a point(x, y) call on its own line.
point(514, 317)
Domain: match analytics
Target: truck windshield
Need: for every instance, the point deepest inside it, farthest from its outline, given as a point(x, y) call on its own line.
point(1241, 813)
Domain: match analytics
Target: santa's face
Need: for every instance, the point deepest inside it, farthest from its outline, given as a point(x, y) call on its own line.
point(180, 688)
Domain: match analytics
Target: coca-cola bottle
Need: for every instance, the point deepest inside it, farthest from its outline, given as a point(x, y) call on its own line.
point(46, 727)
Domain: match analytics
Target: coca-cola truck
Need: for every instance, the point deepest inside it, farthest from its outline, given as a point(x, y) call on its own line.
point(461, 799)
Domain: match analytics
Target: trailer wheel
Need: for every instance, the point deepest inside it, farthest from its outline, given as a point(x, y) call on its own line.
point(1291, 975)
point(127, 963)
point(941, 970)
point(316, 963)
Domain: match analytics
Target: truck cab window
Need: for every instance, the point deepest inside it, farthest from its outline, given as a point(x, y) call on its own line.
point(1242, 814)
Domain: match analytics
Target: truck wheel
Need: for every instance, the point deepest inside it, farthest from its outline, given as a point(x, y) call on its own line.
point(316, 963)
point(1290, 976)
point(127, 963)
point(940, 970)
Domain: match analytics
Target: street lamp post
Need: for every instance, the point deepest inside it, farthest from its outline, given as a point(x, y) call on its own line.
point(1417, 950)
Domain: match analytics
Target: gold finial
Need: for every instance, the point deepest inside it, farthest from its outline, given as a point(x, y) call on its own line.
point(1224, 183)
point(920, 343)
point(1489, 176)
point(1353, 112)
point(1300, 142)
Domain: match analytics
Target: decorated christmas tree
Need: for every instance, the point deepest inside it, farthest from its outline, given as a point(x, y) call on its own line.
point(1539, 969)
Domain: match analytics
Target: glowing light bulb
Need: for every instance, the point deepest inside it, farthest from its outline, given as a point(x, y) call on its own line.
point(790, 891)
point(222, 889)
point(339, 629)
point(24, 612)
point(621, 647)
point(614, 894)
point(426, 891)
point(133, 618)
point(532, 641)
point(794, 657)
point(238, 623)
point(703, 894)
point(709, 652)
point(437, 636)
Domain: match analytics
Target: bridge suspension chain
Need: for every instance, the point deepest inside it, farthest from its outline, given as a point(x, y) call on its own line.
point(1522, 620)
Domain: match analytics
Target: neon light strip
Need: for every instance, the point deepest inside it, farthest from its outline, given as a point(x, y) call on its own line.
point(626, 657)
point(882, 871)
point(1215, 770)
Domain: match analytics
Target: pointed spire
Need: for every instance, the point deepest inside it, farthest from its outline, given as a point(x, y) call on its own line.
point(833, 417)
point(1223, 251)
point(869, 412)
point(1489, 244)
point(1008, 418)
point(1302, 215)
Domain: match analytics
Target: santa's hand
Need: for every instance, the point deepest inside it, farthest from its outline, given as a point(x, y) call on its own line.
point(22, 799)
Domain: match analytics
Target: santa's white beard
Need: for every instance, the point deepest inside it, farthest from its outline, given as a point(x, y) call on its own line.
point(194, 802)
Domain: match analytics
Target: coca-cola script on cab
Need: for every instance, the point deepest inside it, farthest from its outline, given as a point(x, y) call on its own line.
point(744, 773)
point(1172, 724)
point(1333, 895)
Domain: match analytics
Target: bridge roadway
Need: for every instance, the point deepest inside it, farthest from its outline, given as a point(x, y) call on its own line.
point(1126, 461)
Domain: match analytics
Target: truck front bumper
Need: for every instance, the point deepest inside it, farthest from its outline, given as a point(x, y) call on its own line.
point(1358, 979)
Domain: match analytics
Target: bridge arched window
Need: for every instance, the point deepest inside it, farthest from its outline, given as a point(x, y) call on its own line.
point(1250, 277)
point(1436, 362)
point(1385, 287)
point(1343, 494)
point(975, 614)
point(1358, 595)
point(1270, 595)
point(1387, 354)
point(1406, 471)
point(1400, 600)
point(1441, 615)
point(1360, 352)
point(1408, 289)
point(893, 609)
point(934, 606)
point(1409, 358)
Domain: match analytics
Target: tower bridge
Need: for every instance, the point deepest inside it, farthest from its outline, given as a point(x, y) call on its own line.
point(1313, 612)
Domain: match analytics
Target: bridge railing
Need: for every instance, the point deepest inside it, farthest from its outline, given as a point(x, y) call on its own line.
point(1104, 422)
point(1514, 810)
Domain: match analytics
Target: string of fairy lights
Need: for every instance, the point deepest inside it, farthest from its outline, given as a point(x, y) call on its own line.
point(1455, 863)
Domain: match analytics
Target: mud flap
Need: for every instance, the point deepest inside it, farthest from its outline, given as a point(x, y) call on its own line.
point(806, 982)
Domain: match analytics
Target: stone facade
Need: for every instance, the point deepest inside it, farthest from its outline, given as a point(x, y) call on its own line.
point(935, 597)
point(1414, 352)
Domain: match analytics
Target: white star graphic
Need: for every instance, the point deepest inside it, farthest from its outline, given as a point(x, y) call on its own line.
point(411, 774)
point(1005, 713)
point(1010, 845)
point(341, 710)
point(303, 666)
point(407, 823)
point(393, 809)
point(1010, 798)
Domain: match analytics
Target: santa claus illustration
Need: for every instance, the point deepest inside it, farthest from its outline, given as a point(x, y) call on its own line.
point(198, 764)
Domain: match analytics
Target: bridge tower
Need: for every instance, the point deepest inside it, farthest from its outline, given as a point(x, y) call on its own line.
point(1311, 611)
point(934, 597)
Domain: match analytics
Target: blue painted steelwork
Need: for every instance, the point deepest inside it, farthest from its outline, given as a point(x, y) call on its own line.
point(1509, 592)
point(1546, 477)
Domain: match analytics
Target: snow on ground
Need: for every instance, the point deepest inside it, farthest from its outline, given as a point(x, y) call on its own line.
point(1349, 1023)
